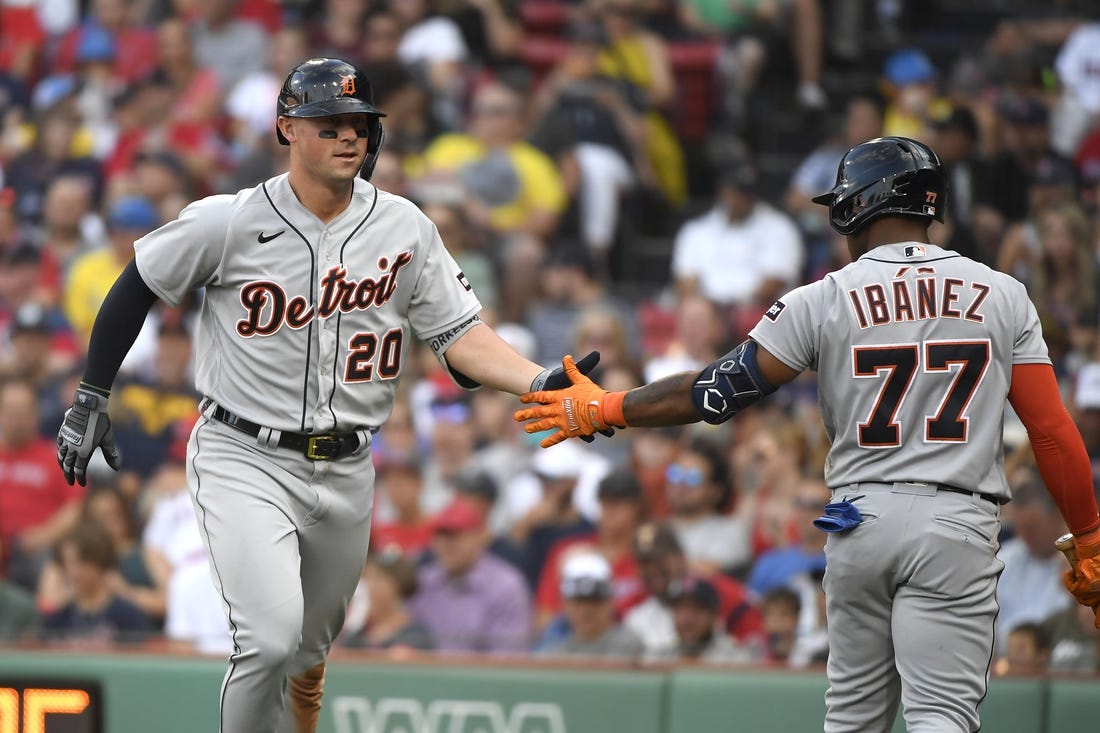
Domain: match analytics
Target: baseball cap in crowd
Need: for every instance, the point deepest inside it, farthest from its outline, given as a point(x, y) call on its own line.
point(1086, 394)
point(30, 318)
point(476, 484)
point(458, 516)
point(95, 45)
point(520, 338)
point(739, 174)
point(561, 461)
point(695, 589)
point(1021, 110)
point(960, 119)
point(909, 66)
point(621, 486)
point(653, 540)
point(1052, 170)
point(133, 213)
point(586, 575)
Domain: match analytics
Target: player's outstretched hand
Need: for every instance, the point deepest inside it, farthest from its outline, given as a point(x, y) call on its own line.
point(1083, 579)
point(553, 379)
point(577, 410)
point(86, 427)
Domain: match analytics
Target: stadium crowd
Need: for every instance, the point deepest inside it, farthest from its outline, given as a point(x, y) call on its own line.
point(603, 172)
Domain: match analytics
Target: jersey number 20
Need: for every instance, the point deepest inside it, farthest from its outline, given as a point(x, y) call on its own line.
point(898, 363)
point(364, 355)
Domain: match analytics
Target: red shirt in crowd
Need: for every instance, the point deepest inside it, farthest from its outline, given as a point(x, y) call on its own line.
point(412, 539)
point(32, 488)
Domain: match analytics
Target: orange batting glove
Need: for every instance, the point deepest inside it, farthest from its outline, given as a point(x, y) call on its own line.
point(583, 408)
point(1083, 580)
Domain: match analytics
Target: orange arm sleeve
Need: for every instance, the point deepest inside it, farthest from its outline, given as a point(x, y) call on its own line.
point(1059, 451)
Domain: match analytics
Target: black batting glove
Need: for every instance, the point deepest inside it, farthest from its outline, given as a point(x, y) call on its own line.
point(86, 427)
point(551, 379)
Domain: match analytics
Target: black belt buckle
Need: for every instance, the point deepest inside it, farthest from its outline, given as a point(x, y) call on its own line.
point(322, 447)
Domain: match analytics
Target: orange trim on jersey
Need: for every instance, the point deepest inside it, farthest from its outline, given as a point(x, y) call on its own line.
point(1059, 451)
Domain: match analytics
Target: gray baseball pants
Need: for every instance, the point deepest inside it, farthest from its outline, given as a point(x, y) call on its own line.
point(911, 601)
point(287, 539)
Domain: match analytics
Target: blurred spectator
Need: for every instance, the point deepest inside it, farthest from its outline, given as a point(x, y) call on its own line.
point(491, 30)
point(956, 140)
point(151, 411)
point(228, 45)
point(778, 567)
point(700, 633)
point(1079, 104)
point(248, 102)
point(719, 254)
point(162, 177)
point(57, 147)
point(470, 600)
point(781, 608)
point(699, 339)
point(410, 121)
point(768, 467)
point(587, 121)
point(1075, 640)
point(37, 507)
point(134, 43)
point(174, 552)
point(93, 273)
point(382, 38)
point(1053, 254)
point(1002, 196)
point(640, 58)
point(570, 287)
point(1027, 651)
point(19, 618)
point(1086, 401)
point(391, 580)
point(756, 28)
point(512, 188)
point(408, 528)
point(1030, 588)
point(622, 510)
point(336, 28)
point(911, 80)
point(35, 355)
point(70, 230)
point(554, 516)
point(863, 119)
point(590, 612)
point(660, 562)
point(96, 613)
point(433, 45)
point(453, 437)
point(700, 488)
point(109, 508)
point(97, 87)
point(464, 245)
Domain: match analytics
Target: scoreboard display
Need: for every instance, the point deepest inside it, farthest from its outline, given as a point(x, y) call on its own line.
point(50, 706)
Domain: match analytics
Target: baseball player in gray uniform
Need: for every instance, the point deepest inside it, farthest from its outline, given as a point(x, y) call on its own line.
point(916, 349)
point(315, 285)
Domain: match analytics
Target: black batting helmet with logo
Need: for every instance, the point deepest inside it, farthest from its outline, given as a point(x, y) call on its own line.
point(325, 86)
point(887, 176)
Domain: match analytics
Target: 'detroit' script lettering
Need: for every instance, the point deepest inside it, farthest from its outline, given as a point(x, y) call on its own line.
point(267, 306)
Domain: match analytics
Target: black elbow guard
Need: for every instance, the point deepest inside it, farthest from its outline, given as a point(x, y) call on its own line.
point(730, 384)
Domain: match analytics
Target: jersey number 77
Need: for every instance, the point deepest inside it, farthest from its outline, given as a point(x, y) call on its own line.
point(901, 368)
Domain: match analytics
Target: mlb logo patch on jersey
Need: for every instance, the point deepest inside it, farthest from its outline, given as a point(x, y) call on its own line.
point(915, 250)
point(773, 313)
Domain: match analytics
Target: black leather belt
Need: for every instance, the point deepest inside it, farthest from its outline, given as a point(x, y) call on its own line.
point(984, 497)
point(314, 447)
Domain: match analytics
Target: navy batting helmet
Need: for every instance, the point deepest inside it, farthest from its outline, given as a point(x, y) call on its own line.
point(887, 176)
point(324, 86)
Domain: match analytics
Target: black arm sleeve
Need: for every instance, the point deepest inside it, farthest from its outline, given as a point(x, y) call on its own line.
point(117, 325)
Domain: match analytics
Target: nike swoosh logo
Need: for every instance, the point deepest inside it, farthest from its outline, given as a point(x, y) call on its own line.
point(264, 240)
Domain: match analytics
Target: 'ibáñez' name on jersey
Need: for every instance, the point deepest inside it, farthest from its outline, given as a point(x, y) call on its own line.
point(917, 299)
point(267, 307)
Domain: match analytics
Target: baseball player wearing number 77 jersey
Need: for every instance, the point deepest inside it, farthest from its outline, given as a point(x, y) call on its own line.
point(315, 284)
point(916, 348)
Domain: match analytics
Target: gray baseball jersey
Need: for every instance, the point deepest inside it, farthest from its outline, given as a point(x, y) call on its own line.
point(304, 325)
point(904, 340)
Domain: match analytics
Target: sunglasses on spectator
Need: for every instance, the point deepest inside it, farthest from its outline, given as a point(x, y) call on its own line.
point(676, 474)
